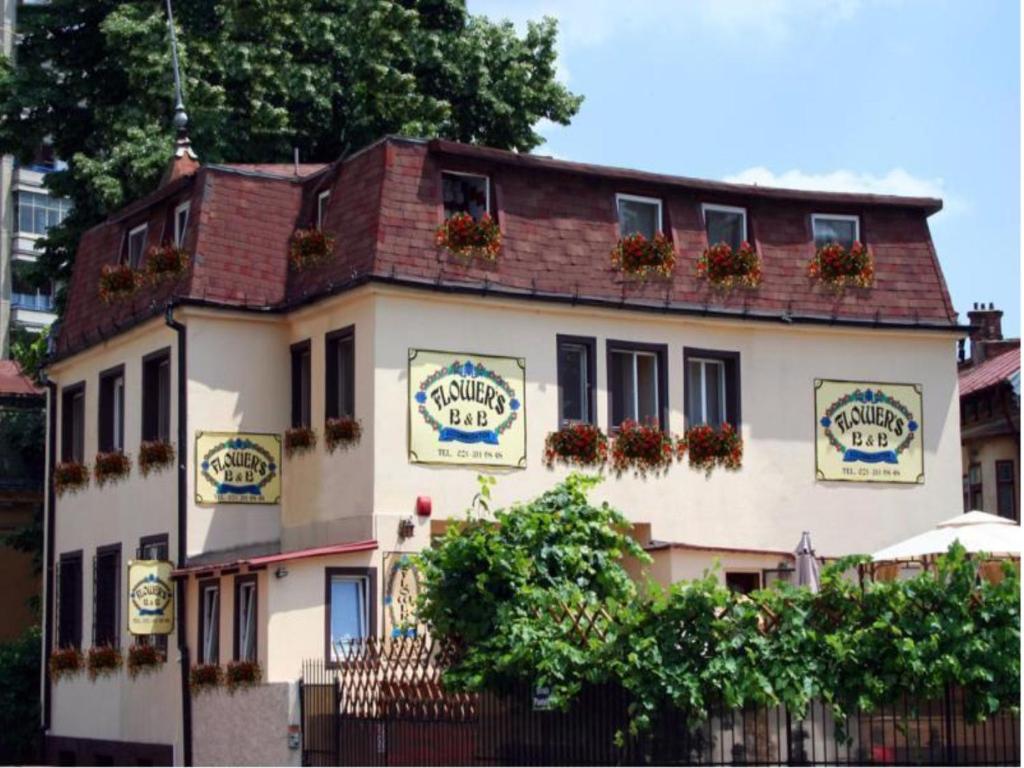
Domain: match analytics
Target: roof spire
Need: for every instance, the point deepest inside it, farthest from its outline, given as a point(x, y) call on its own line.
point(184, 162)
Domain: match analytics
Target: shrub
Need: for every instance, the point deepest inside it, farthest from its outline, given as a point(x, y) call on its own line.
point(725, 268)
point(155, 455)
point(584, 445)
point(65, 662)
point(343, 432)
point(70, 476)
point(20, 660)
point(103, 660)
point(166, 262)
point(242, 674)
point(143, 658)
point(111, 467)
point(709, 447)
point(310, 247)
point(299, 440)
point(636, 255)
point(641, 447)
point(205, 677)
point(838, 267)
point(467, 238)
point(118, 281)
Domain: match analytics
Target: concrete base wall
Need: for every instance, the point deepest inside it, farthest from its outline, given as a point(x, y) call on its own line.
point(249, 727)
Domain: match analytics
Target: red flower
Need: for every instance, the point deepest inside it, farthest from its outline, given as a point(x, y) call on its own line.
point(118, 281)
point(635, 254)
point(582, 444)
point(642, 447)
point(838, 267)
point(723, 267)
point(309, 247)
point(467, 238)
point(709, 447)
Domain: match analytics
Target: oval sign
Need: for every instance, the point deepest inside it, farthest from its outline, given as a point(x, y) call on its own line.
point(150, 597)
point(240, 468)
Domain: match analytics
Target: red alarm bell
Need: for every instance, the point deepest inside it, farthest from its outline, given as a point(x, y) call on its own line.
point(423, 506)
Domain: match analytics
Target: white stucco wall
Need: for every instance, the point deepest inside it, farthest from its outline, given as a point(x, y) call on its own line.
point(248, 727)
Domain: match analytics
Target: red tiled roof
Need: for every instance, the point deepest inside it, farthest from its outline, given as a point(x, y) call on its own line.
point(298, 554)
point(989, 372)
point(558, 222)
point(657, 546)
point(15, 383)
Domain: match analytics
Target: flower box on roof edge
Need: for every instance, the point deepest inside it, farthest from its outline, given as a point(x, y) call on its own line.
point(118, 281)
point(583, 445)
point(637, 255)
point(155, 455)
point(839, 267)
point(166, 262)
point(110, 467)
point(726, 268)
point(310, 247)
point(469, 238)
point(642, 447)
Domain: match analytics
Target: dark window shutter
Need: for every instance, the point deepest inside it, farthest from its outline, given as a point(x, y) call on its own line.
point(163, 370)
point(301, 385)
point(331, 379)
point(346, 353)
point(79, 426)
point(106, 425)
point(732, 390)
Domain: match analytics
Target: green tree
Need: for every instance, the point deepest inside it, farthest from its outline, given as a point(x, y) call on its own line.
point(94, 80)
point(20, 660)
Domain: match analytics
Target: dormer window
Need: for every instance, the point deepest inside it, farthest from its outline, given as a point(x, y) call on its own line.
point(321, 208)
point(180, 224)
point(725, 224)
point(465, 193)
point(137, 245)
point(638, 215)
point(835, 228)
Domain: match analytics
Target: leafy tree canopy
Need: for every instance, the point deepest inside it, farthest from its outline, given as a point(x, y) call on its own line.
point(94, 80)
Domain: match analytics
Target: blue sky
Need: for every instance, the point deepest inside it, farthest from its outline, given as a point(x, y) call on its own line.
point(918, 97)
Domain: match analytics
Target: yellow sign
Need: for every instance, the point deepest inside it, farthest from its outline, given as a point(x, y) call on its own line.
point(868, 432)
point(467, 409)
point(150, 597)
point(238, 468)
point(401, 592)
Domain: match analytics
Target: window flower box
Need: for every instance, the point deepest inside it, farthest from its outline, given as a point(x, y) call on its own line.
point(103, 661)
point(143, 659)
point(118, 281)
point(70, 476)
point(299, 440)
point(342, 433)
point(242, 674)
point(643, 448)
point(584, 445)
point(205, 677)
point(709, 447)
point(166, 262)
point(839, 267)
point(111, 467)
point(155, 455)
point(640, 256)
point(65, 662)
point(467, 238)
point(726, 268)
point(310, 247)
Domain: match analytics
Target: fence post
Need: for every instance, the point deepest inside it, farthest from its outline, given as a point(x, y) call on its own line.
point(336, 718)
point(950, 747)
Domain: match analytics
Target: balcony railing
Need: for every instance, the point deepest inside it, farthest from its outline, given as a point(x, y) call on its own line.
point(40, 302)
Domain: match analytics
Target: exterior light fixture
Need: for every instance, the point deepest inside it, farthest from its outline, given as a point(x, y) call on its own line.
point(406, 528)
point(281, 572)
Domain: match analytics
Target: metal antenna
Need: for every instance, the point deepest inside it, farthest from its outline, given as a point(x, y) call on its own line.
point(182, 145)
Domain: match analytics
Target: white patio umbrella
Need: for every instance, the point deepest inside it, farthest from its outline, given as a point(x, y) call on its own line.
point(976, 531)
point(807, 572)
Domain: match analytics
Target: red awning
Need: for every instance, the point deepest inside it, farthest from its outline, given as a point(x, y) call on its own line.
point(264, 560)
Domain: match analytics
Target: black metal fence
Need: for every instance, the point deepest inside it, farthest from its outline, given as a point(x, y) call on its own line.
point(382, 710)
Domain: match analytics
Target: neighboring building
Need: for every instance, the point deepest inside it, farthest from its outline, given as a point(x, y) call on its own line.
point(224, 360)
point(990, 416)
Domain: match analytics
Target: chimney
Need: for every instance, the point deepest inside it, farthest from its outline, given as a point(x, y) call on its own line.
point(986, 326)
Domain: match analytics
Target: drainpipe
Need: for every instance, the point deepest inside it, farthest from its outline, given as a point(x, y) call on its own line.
point(51, 417)
point(186, 666)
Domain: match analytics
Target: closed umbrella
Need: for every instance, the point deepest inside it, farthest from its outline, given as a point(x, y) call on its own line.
point(807, 572)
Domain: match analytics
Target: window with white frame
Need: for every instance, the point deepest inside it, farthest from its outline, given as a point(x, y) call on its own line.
point(180, 224)
point(321, 208)
point(137, 245)
point(725, 224)
point(576, 379)
point(634, 385)
point(638, 215)
point(245, 618)
point(706, 394)
point(209, 622)
point(835, 228)
point(37, 212)
point(348, 609)
point(465, 193)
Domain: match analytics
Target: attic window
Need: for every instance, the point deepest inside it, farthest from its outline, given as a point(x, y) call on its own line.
point(835, 228)
point(321, 208)
point(638, 215)
point(180, 224)
point(465, 193)
point(137, 245)
point(725, 224)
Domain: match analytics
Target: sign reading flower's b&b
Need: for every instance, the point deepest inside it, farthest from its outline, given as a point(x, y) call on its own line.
point(868, 432)
point(150, 597)
point(467, 409)
point(238, 468)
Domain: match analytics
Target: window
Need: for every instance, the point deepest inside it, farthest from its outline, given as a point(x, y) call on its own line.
point(106, 595)
point(25, 293)
point(833, 228)
point(321, 208)
point(180, 224)
point(69, 601)
point(350, 604)
point(154, 548)
point(636, 383)
point(576, 379)
point(743, 582)
point(711, 387)
point(1006, 494)
point(245, 618)
point(209, 621)
point(72, 428)
point(301, 416)
point(37, 212)
point(137, 245)
point(156, 396)
point(465, 193)
point(974, 500)
point(341, 380)
point(638, 215)
point(725, 224)
point(111, 419)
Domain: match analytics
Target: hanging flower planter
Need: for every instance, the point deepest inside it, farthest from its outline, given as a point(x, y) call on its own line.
point(643, 448)
point(465, 237)
point(299, 440)
point(638, 256)
point(111, 467)
point(70, 476)
point(65, 663)
point(726, 268)
point(205, 677)
point(342, 433)
point(155, 455)
point(166, 262)
point(839, 267)
point(143, 659)
point(118, 281)
point(310, 247)
point(709, 447)
point(242, 674)
point(584, 445)
point(103, 661)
